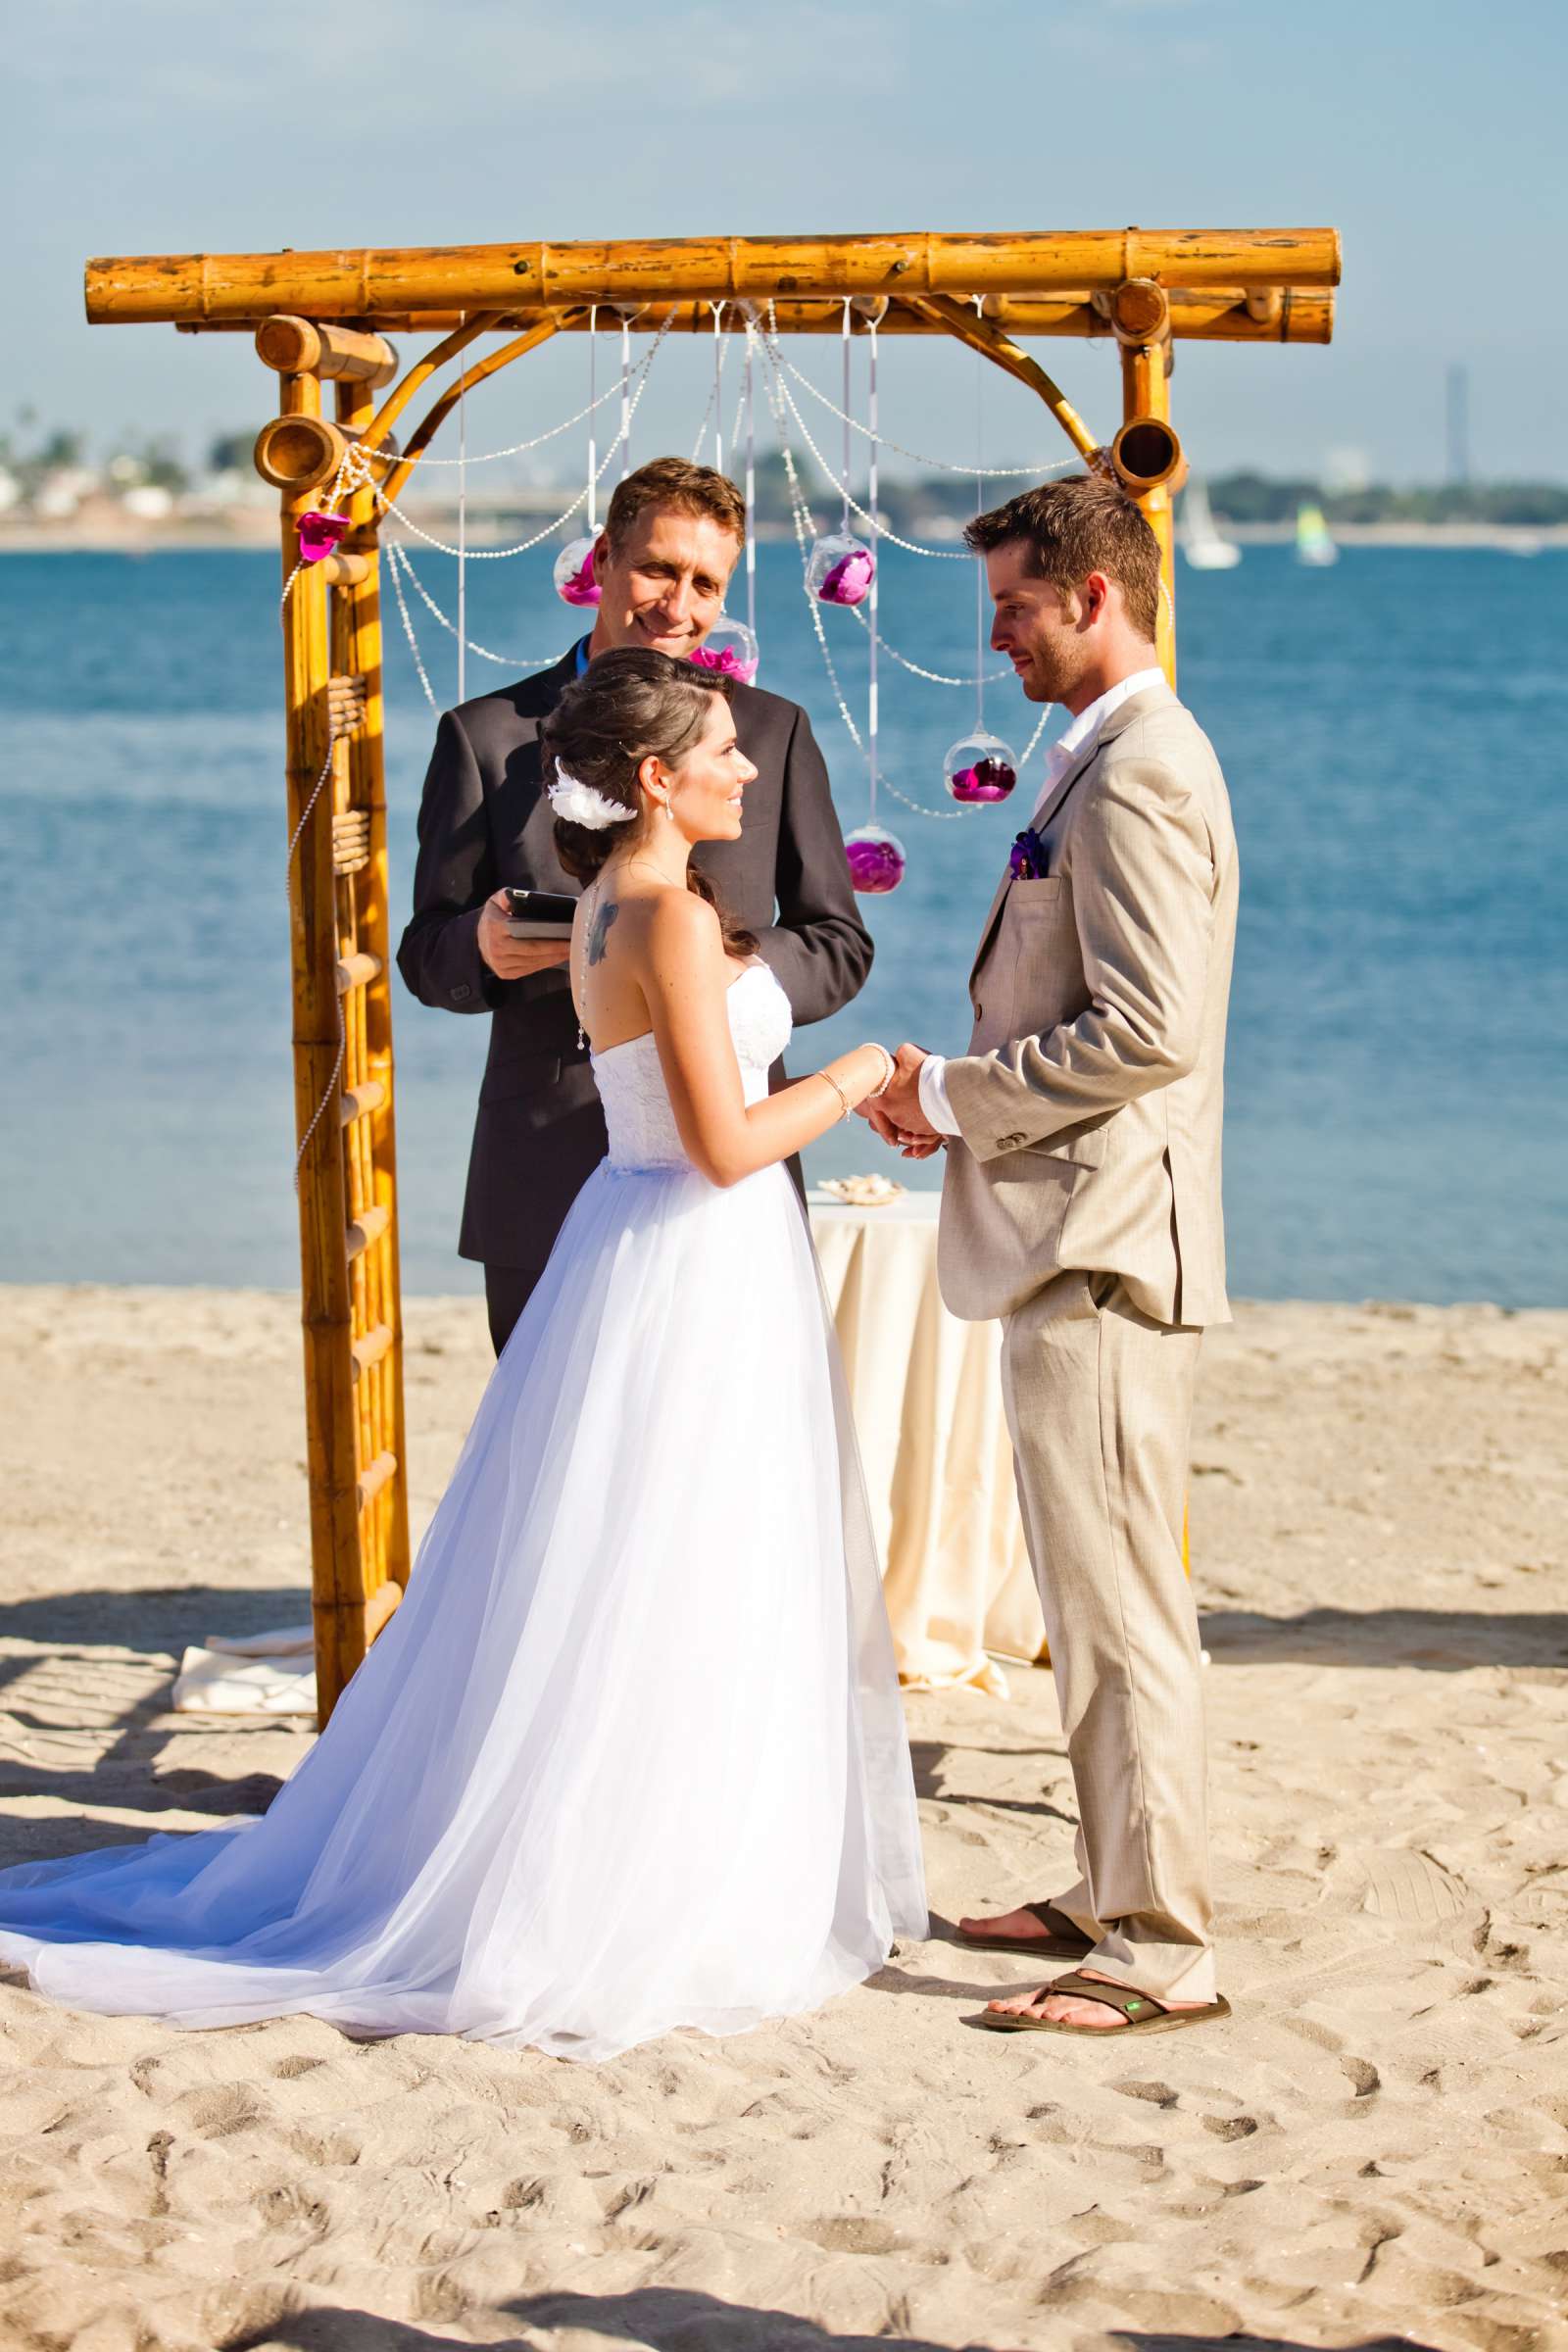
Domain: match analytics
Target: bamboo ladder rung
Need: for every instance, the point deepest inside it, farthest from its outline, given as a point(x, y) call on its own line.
point(343, 568)
point(382, 1604)
point(367, 1228)
point(358, 971)
point(359, 1101)
point(373, 1477)
point(369, 1350)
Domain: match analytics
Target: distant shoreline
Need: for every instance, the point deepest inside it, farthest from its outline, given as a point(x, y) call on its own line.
point(28, 539)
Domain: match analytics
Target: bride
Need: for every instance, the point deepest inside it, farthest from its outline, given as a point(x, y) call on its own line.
point(630, 1755)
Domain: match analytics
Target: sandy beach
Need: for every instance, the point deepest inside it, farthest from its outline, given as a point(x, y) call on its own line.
point(1376, 2146)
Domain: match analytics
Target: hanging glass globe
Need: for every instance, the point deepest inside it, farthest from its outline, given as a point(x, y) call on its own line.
point(840, 569)
point(573, 574)
point(979, 769)
point(730, 649)
point(876, 860)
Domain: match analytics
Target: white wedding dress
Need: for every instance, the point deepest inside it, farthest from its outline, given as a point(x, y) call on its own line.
point(630, 1755)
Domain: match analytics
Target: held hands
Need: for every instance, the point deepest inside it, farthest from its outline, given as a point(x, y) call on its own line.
point(896, 1115)
point(514, 958)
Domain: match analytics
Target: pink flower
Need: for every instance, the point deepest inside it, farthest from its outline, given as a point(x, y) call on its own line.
point(580, 587)
point(320, 534)
point(876, 861)
point(726, 662)
point(989, 779)
point(848, 580)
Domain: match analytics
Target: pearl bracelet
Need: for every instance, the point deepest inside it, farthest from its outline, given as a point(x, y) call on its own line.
point(887, 1075)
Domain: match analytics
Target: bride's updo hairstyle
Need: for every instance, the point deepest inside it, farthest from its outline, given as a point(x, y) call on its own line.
point(629, 705)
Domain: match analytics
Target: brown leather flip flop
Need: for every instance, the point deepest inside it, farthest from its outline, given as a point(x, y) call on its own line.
point(1144, 2014)
point(1063, 1942)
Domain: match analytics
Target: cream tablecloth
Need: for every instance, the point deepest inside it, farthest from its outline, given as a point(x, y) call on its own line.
point(927, 1397)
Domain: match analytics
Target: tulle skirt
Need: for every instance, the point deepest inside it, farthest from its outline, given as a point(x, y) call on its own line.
point(630, 1755)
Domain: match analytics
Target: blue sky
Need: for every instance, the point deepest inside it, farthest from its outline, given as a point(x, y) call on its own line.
point(1429, 135)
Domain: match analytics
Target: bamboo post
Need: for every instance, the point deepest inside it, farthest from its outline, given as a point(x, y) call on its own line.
point(1146, 396)
point(326, 1310)
point(361, 600)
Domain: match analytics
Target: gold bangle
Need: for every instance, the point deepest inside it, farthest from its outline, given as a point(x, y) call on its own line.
point(839, 1091)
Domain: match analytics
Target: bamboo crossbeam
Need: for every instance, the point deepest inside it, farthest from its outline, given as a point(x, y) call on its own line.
point(306, 347)
point(366, 283)
point(1197, 314)
point(295, 452)
point(1140, 312)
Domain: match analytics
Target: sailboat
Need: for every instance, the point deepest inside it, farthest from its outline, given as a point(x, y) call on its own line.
point(1313, 544)
point(1201, 544)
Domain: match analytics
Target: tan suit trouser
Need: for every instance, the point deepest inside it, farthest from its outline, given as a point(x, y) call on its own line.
point(1100, 1401)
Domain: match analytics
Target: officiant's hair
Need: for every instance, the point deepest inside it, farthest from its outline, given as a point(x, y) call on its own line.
point(677, 483)
point(1073, 527)
point(627, 705)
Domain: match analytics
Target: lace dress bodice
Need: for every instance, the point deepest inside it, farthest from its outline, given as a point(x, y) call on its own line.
point(631, 1081)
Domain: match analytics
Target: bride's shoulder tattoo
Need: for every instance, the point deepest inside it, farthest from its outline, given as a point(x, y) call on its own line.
point(599, 929)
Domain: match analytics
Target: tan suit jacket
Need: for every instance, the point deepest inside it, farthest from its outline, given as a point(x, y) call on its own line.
point(1088, 1104)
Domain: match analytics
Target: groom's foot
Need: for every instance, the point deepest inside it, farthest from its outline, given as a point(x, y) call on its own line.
point(1073, 2009)
point(1024, 1926)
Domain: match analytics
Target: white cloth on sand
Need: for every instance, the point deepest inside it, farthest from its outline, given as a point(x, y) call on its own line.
point(249, 1674)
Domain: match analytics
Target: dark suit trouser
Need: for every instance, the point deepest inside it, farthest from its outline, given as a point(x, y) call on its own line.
point(507, 1291)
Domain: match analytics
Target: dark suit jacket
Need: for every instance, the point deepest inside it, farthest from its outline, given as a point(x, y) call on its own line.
point(484, 821)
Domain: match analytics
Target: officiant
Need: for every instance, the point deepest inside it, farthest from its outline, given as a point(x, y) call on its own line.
point(672, 537)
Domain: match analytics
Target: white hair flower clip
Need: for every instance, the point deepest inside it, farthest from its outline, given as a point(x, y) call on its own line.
point(580, 803)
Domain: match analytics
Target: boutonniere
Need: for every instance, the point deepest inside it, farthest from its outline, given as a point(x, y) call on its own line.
point(1026, 861)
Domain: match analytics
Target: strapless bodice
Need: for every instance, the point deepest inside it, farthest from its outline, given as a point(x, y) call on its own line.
point(630, 1078)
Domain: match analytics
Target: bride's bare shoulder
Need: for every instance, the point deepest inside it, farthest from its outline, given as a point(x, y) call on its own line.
point(679, 924)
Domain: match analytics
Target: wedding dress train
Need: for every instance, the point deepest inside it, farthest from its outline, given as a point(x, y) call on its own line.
point(630, 1755)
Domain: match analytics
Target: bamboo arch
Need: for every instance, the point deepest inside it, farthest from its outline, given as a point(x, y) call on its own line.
point(324, 319)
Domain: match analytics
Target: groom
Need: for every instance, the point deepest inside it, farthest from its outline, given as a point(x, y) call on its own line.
point(672, 538)
point(1081, 1205)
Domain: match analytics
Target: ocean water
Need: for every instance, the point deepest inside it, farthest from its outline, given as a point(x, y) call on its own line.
point(1392, 732)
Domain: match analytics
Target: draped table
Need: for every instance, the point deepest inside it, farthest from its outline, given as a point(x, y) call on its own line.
point(926, 1390)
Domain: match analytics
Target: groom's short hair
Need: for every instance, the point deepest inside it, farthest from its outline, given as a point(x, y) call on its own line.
point(1073, 527)
point(674, 482)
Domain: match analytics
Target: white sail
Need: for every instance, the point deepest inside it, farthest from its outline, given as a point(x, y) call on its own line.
point(1202, 543)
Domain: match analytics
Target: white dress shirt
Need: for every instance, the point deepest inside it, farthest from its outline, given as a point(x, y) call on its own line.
point(1074, 739)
